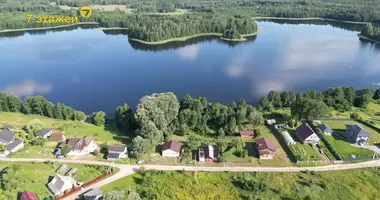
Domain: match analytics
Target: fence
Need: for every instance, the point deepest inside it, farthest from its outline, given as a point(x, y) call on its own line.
point(327, 144)
point(85, 185)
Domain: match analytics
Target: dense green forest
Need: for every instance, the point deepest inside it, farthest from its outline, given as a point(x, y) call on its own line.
point(38, 105)
point(371, 31)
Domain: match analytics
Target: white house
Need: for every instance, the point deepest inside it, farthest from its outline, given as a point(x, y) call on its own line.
point(307, 135)
point(44, 133)
point(14, 146)
point(171, 148)
point(357, 134)
point(59, 184)
point(81, 146)
point(116, 152)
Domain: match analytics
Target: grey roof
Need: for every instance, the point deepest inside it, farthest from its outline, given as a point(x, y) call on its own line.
point(113, 155)
point(43, 132)
point(325, 128)
point(6, 136)
point(13, 145)
point(358, 130)
point(93, 193)
point(56, 185)
point(116, 148)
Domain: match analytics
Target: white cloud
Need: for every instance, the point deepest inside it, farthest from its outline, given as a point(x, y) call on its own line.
point(236, 68)
point(28, 87)
point(189, 52)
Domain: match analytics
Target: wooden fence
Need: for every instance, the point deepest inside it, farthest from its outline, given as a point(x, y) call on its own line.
point(85, 185)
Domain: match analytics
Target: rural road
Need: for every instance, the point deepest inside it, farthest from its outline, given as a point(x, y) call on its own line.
point(126, 170)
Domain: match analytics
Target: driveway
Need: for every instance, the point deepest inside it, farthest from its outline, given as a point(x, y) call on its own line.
point(372, 148)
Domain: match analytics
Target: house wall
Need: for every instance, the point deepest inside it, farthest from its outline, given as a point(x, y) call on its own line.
point(123, 154)
point(312, 139)
point(360, 138)
point(18, 147)
point(170, 153)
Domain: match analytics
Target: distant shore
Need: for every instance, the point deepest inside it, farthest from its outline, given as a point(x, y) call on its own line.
point(311, 18)
point(47, 28)
point(243, 37)
point(368, 39)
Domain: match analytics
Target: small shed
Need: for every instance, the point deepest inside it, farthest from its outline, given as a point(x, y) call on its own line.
point(288, 139)
point(270, 122)
point(247, 133)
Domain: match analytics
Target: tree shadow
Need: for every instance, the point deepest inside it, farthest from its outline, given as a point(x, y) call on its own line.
point(293, 134)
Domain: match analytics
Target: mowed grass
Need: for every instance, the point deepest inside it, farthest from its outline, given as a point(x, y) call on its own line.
point(340, 126)
point(34, 177)
point(345, 150)
point(69, 128)
point(348, 185)
point(123, 184)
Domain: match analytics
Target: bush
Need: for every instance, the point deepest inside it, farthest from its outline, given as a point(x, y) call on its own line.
point(65, 149)
point(104, 146)
point(38, 142)
point(33, 126)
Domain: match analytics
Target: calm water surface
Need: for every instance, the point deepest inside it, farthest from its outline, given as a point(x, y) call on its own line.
point(90, 70)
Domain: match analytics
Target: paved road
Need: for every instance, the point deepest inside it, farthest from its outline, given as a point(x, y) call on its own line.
point(126, 170)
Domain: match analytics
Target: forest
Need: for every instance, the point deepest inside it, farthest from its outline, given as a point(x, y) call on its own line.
point(371, 31)
point(38, 105)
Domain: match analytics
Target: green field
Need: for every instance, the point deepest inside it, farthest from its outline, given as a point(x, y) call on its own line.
point(69, 128)
point(348, 185)
point(35, 176)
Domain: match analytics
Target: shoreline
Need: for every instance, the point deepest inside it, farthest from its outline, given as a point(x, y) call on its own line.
point(47, 28)
point(310, 18)
point(243, 37)
point(179, 39)
point(368, 39)
point(182, 39)
point(112, 28)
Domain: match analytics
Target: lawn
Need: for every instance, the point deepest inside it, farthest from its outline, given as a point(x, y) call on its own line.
point(35, 151)
point(123, 184)
point(302, 151)
point(349, 184)
point(339, 125)
point(345, 150)
point(35, 176)
point(69, 128)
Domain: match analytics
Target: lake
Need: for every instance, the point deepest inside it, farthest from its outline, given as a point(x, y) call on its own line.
point(92, 70)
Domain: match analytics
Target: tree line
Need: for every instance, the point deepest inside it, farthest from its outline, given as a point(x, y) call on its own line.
point(371, 31)
point(38, 105)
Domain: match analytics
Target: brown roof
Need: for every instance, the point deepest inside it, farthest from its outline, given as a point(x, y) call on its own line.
point(26, 195)
point(246, 133)
point(57, 137)
point(79, 143)
point(265, 144)
point(116, 147)
point(304, 131)
point(172, 145)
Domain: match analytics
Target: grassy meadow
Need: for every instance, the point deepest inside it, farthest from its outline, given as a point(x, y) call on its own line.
point(348, 185)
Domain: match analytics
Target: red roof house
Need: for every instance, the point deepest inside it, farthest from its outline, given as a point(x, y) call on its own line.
point(171, 148)
point(246, 133)
point(265, 148)
point(26, 195)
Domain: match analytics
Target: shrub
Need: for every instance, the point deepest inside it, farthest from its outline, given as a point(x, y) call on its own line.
point(65, 149)
point(38, 142)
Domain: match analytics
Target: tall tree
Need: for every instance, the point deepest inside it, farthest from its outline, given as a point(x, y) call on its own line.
point(377, 94)
point(99, 118)
point(4, 106)
point(140, 147)
point(14, 103)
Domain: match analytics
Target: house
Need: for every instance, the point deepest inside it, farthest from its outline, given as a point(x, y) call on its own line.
point(26, 195)
point(270, 122)
point(171, 148)
point(6, 136)
point(59, 184)
point(117, 151)
point(7, 127)
point(325, 129)
point(81, 146)
point(14, 146)
point(58, 137)
point(247, 133)
point(93, 194)
point(208, 154)
point(357, 134)
point(307, 135)
point(288, 139)
point(44, 133)
point(265, 148)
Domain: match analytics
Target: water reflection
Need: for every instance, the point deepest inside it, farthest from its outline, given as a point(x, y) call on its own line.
point(28, 87)
point(341, 25)
point(189, 52)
